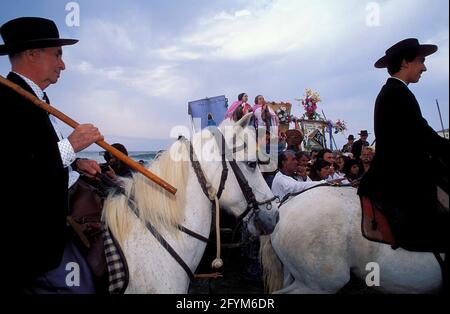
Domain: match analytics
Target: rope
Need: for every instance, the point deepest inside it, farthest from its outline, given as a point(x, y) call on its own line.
point(217, 263)
point(212, 194)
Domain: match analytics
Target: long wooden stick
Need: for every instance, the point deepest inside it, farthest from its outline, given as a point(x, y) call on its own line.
point(61, 116)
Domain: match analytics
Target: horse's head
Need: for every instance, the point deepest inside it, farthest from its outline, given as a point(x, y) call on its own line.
point(233, 147)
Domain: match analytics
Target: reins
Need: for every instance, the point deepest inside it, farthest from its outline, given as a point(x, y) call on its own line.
point(213, 196)
point(289, 196)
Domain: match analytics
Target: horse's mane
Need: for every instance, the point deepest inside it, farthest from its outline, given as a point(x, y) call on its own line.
point(156, 206)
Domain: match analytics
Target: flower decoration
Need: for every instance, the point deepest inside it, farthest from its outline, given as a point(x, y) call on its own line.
point(309, 103)
point(283, 115)
point(339, 126)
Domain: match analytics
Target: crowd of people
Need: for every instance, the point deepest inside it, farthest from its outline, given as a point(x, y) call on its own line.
point(299, 169)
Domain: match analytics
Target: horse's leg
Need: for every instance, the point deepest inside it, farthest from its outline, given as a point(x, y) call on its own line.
point(313, 273)
point(288, 279)
point(316, 258)
point(287, 289)
point(291, 285)
point(314, 280)
point(298, 287)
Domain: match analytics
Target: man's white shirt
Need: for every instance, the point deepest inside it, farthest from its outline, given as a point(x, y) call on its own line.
point(66, 151)
point(283, 185)
point(337, 176)
point(301, 179)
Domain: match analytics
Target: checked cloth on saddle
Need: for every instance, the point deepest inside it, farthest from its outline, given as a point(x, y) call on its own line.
point(115, 260)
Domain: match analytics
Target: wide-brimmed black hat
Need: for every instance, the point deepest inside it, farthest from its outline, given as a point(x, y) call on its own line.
point(30, 33)
point(405, 47)
point(363, 132)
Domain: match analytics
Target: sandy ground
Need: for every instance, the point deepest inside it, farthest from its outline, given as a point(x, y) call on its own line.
point(236, 280)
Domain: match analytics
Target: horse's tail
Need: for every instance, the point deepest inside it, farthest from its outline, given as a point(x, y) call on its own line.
point(271, 265)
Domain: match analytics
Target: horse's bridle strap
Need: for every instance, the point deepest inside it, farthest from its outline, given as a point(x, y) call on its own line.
point(201, 176)
point(243, 183)
point(170, 249)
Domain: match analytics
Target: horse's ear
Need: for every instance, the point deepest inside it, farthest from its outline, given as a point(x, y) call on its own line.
point(245, 121)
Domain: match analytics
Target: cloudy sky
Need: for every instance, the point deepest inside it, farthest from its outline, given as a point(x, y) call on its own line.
point(138, 63)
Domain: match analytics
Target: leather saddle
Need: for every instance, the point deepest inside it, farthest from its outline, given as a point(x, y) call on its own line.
point(424, 231)
point(374, 223)
point(86, 205)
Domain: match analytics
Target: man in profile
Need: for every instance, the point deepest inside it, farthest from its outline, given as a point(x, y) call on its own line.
point(284, 182)
point(407, 186)
point(40, 250)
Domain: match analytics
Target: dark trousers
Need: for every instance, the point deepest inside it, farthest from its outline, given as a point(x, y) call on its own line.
point(72, 276)
point(446, 274)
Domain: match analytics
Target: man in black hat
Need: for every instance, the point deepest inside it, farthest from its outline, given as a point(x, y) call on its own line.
point(39, 252)
point(410, 199)
point(359, 144)
point(347, 148)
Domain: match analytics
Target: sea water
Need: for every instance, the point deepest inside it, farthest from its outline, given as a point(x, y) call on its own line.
point(135, 155)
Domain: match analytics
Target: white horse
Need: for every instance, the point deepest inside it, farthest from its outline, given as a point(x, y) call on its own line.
point(151, 268)
point(318, 243)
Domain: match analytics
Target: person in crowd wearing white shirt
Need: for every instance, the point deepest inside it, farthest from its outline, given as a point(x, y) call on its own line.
point(38, 253)
point(284, 182)
point(333, 175)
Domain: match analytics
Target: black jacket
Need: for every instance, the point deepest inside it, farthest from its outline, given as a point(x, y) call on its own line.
point(357, 148)
point(36, 189)
point(404, 172)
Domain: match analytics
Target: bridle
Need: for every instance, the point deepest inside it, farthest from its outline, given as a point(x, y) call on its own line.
point(208, 190)
point(252, 204)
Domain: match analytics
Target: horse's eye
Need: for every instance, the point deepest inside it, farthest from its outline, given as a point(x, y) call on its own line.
point(252, 164)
